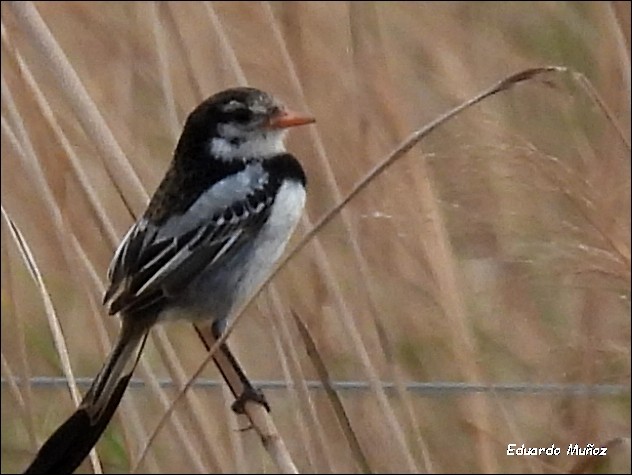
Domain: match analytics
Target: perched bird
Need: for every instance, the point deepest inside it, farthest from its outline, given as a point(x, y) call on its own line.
point(211, 234)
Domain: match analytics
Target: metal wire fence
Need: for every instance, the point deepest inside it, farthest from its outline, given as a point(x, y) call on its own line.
point(433, 388)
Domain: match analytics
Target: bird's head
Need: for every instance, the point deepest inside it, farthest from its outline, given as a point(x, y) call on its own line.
point(242, 123)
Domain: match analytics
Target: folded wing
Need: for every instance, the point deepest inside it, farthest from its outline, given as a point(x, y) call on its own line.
point(156, 261)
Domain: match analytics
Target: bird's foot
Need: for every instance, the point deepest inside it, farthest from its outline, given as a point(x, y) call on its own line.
point(249, 394)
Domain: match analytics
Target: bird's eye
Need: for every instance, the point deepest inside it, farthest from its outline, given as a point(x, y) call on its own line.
point(242, 116)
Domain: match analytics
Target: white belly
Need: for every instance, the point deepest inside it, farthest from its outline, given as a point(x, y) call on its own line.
point(276, 233)
point(220, 291)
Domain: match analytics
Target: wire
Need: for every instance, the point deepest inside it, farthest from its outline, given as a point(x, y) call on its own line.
point(435, 388)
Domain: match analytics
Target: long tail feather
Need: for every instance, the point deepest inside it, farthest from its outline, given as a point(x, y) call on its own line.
point(69, 445)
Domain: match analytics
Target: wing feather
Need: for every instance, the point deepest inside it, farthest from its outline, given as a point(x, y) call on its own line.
point(149, 268)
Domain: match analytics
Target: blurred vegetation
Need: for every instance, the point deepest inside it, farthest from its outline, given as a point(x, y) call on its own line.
point(496, 251)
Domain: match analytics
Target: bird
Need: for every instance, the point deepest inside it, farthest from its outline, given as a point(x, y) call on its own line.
point(211, 234)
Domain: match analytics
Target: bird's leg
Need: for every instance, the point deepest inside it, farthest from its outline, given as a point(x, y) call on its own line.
point(248, 391)
point(237, 381)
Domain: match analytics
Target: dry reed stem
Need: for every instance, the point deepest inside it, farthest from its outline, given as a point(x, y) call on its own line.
point(260, 419)
point(408, 143)
point(378, 97)
point(166, 350)
point(32, 165)
point(588, 260)
point(105, 224)
point(100, 215)
point(334, 399)
point(256, 413)
point(594, 96)
point(101, 219)
point(30, 159)
point(95, 126)
point(95, 288)
point(299, 402)
point(258, 416)
point(304, 401)
point(398, 153)
point(83, 106)
point(23, 147)
point(198, 415)
point(323, 261)
point(166, 87)
point(12, 308)
point(53, 320)
point(183, 51)
point(17, 395)
point(225, 45)
point(595, 464)
point(623, 45)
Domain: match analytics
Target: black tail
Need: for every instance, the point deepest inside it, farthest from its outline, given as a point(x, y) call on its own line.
point(69, 445)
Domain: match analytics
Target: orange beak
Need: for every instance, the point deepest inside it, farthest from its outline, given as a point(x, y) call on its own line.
point(286, 118)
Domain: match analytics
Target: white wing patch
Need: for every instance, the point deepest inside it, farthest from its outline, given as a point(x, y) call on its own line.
point(220, 196)
point(181, 256)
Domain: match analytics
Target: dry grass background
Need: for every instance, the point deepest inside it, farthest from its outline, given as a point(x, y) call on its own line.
point(496, 251)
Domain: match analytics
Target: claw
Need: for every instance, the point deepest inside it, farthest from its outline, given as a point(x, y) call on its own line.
point(245, 429)
point(249, 394)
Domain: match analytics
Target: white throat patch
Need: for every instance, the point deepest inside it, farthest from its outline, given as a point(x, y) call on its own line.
point(253, 145)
